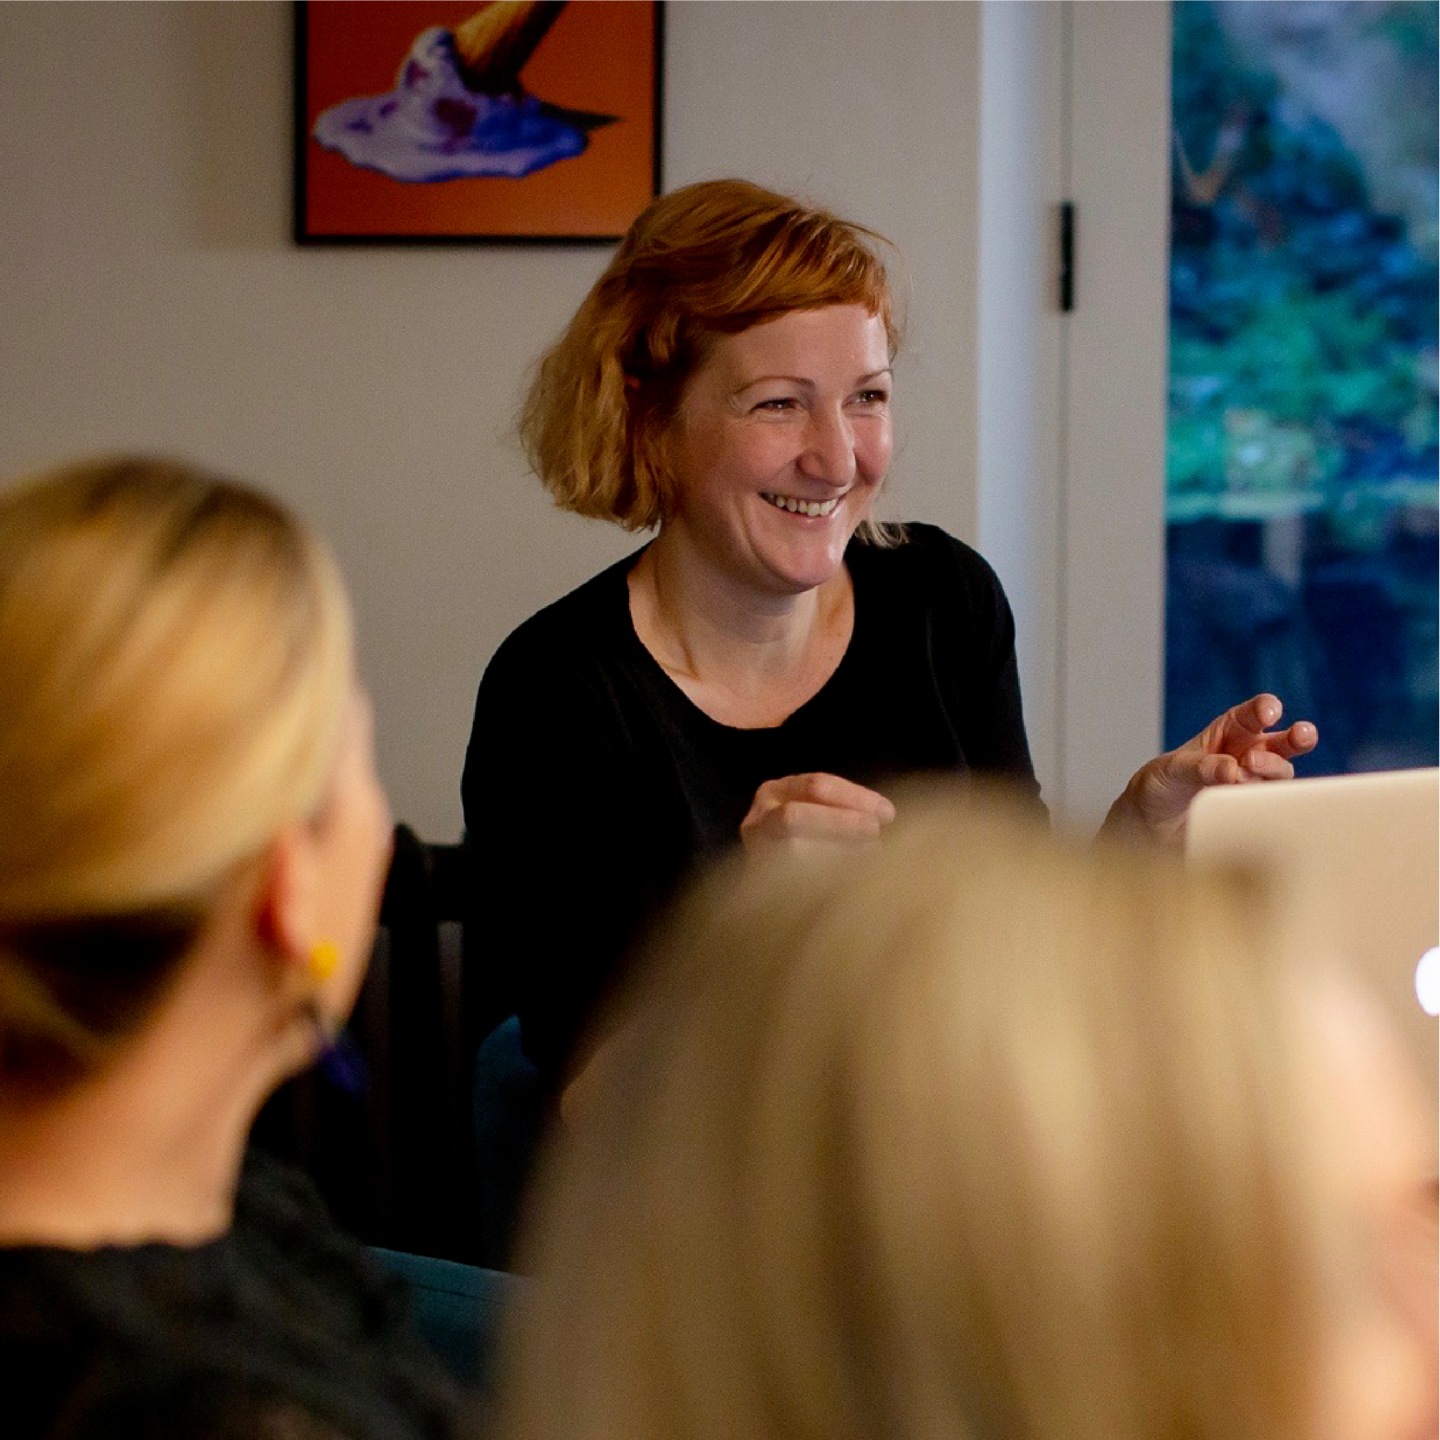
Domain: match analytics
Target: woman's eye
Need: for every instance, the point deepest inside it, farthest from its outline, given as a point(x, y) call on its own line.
point(780, 402)
point(874, 397)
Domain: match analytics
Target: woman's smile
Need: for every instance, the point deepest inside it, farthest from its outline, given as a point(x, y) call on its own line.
point(805, 508)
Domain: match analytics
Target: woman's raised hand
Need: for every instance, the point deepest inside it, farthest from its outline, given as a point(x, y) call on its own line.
point(814, 807)
point(1235, 748)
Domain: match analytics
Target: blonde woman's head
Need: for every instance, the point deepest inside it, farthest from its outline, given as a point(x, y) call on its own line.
point(975, 1135)
point(175, 671)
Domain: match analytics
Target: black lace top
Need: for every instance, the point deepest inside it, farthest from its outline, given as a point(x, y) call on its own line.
point(282, 1329)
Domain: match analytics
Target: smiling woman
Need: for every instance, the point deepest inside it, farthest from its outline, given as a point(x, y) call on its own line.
point(773, 660)
point(792, 415)
point(781, 444)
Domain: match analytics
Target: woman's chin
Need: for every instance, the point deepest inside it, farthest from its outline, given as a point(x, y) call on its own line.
point(805, 562)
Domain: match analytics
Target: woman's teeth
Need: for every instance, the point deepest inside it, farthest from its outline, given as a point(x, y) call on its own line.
point(801, 507)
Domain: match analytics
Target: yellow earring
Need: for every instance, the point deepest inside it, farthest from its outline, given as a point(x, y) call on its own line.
point(324, 960)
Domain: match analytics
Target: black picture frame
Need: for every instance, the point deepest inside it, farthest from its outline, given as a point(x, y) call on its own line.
point(343, 49)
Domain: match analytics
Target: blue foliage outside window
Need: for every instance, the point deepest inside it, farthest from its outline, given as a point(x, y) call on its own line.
point(1302, 454)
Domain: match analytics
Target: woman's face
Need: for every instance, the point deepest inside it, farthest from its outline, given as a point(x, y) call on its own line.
point(1379, 1377)
point(781, 443)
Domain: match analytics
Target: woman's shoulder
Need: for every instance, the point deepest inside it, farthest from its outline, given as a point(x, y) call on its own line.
point(587, 620)
point(283, 1317)
point(928, 559)
point(280, 1215)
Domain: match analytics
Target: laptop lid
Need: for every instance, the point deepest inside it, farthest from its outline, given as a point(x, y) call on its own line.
point(1369, 846)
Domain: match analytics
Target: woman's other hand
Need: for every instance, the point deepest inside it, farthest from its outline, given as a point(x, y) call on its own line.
point(814, 807)
point(1236, 748)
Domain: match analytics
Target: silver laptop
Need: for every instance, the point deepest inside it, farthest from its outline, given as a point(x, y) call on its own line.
point(1371, 845)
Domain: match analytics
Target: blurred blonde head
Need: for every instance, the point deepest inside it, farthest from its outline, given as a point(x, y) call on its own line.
point(976, 1135)
point(709, 259)
point(175, 667)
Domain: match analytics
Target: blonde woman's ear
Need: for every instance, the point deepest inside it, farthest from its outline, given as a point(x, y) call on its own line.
point(286, 910)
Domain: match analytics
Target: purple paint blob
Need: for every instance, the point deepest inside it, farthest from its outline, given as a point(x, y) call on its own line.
point(432, 127)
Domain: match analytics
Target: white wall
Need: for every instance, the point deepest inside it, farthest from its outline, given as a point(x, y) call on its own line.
point(1020, 379)
point(150, 297)
point(1111, 633)
point(1075, 104)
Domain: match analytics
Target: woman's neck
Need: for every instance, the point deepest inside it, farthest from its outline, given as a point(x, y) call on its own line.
point(149, 1146)
point(745, 658)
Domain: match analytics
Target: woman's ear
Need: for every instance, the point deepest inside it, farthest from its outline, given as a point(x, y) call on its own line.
point(286, 900)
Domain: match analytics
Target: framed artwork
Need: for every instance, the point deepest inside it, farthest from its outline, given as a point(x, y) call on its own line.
point(509, 122)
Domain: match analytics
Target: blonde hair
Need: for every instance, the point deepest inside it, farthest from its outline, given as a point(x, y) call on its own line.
point(977, 1136)
point(709, 259)
point(175, 662)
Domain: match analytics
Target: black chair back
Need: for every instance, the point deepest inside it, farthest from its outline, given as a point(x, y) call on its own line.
point(394, 1155)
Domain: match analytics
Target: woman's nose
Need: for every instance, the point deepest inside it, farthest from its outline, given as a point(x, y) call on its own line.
point(829, 454)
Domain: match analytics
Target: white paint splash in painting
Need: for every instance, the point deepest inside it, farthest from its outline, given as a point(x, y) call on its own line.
point(432, 126)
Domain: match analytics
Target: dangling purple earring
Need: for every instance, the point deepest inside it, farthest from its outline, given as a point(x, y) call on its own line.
point(339, 1059)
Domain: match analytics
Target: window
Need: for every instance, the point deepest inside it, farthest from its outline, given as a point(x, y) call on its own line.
point(1301, 449)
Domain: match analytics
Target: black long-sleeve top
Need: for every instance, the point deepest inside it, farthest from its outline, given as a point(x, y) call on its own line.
point(593, 784)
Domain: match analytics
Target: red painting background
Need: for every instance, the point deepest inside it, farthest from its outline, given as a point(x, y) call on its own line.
point(598, 56)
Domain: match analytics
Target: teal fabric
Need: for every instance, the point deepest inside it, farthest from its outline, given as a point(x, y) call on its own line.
point(509, 1114)
point(458, 1309)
